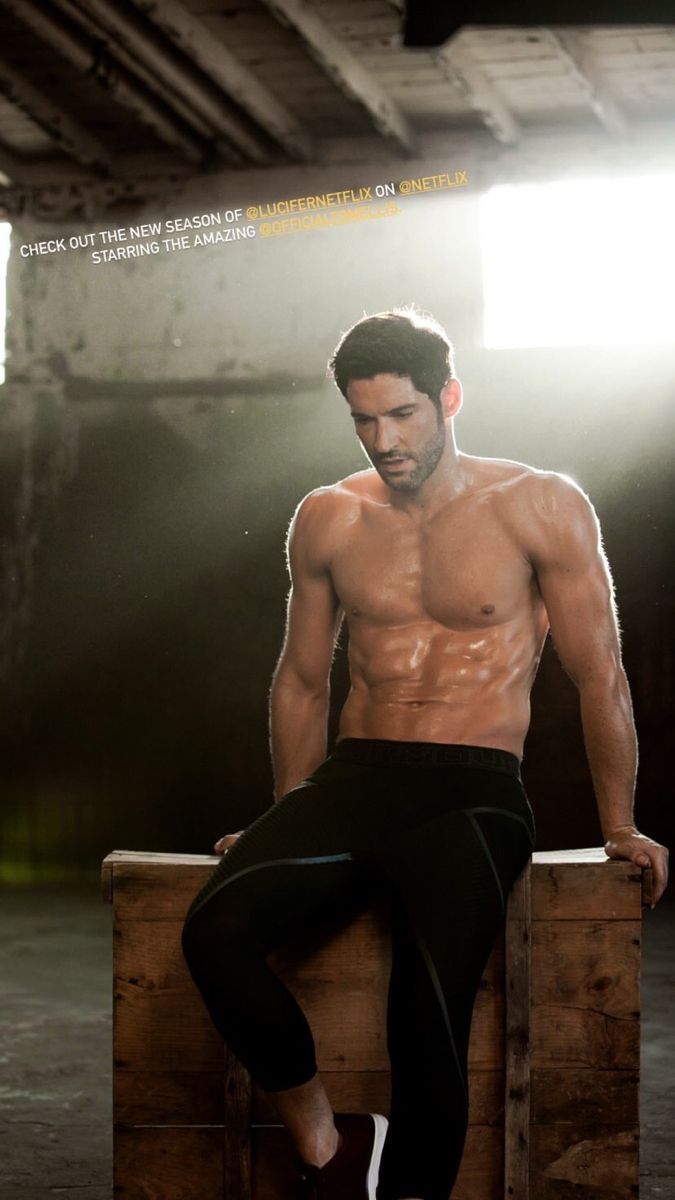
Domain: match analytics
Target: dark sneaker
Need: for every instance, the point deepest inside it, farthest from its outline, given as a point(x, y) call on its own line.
point(351, 1174)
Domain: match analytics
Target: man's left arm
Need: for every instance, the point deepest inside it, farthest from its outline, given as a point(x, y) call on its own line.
point(575, 582)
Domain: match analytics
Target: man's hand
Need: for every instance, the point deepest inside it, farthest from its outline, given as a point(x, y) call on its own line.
point(226, 841)
point(627, 842)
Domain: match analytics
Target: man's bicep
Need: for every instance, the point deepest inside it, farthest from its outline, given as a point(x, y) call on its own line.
point(575, 582)
point(313, 613)
point(312, 625)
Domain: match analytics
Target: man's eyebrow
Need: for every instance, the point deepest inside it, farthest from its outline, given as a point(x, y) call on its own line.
point(389, 412)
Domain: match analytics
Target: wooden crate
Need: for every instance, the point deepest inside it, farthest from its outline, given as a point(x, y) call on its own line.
point(553, 1056)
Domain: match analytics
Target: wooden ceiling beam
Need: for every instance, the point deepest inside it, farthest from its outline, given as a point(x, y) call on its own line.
point(172, 103)
point(456, 60)
point(338, 62)
point(231, 76)
point(568, 45)
point(67, 133)
point(149, 49)
point(88, 58)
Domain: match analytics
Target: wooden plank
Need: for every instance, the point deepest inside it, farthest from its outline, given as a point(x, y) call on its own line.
point(586, 994)
point(647, 887)
point(168, 1164)
point(587, 964)
point(237, 1131)
point(643, 60)
point(119, 83)
point(569, 891)
point(336, 59)
point(157, 887)
point(196, 1097)
point(573, 1096)
point(66, 133)
point(169, 1097)
point(228, 74)
point(600, 1163)
point(341, 984)
point(566, 884)
point(583, 68)
point(577, 1037)
point(457, 61)
point(517, 987)
point(159, 1018)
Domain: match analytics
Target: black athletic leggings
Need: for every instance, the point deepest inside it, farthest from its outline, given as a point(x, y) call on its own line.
point(447, 830)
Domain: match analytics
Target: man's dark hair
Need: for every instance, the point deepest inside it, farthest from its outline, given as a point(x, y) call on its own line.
point(403, 341)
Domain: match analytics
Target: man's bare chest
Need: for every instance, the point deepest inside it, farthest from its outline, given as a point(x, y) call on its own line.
point(464, 572)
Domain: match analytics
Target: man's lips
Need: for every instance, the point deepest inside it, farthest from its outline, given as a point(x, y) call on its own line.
point(394, 462)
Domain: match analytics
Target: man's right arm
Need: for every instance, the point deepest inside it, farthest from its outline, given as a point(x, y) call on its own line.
point(300, 692)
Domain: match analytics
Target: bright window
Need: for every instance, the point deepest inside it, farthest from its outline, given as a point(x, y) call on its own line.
point(579, 263)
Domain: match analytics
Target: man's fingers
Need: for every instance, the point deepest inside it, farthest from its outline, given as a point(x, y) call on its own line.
point(647, 853)
point(658, 861)
point(660, 870)
point(226, 841)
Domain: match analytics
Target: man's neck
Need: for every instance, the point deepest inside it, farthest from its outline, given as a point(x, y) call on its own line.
point(451, 478)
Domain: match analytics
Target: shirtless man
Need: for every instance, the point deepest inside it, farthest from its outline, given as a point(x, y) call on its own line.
point(450, 570)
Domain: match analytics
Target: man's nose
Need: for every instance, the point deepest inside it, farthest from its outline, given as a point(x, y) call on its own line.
point(385, 438)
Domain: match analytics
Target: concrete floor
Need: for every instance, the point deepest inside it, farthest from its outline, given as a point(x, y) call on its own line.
point(55, 1046)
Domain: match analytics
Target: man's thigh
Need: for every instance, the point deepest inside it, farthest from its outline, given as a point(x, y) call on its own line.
point(297, 858)
point(452, 876)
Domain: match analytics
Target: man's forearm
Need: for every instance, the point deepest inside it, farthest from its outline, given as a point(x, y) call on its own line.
point(611, 747)
point(298, 729)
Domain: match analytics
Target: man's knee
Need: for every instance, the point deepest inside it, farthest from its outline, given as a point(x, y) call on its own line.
point(218, 927)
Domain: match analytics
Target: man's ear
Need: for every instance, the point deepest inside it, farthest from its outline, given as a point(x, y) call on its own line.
point(451, 398)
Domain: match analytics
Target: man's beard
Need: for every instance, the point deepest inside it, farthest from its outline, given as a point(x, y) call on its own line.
point(425, 461)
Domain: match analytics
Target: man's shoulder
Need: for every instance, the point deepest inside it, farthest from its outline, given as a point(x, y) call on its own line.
point(326, 510)
point(521, 484)
point(546, 512)
point(333, 497)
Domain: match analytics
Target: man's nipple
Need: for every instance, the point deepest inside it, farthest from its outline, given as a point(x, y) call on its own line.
point(488, 609)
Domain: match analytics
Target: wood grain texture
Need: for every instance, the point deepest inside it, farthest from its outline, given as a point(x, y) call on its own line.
point(569, 1095)
point(517, 989)
point(237, 1179)
point(161, 1022)
point(569, 1160)
point(553, 1054)
point(168, 1164)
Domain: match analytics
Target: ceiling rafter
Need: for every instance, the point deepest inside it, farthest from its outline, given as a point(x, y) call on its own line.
point(68, 134)
point(211, 56)
point(456, 60)
point(459, 66)
point(172, 103)
point(338, 62)
point(88, 58)
point(150, 49)
point(568, 44)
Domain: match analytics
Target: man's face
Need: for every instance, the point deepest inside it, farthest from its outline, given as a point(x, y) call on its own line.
point(401, 430)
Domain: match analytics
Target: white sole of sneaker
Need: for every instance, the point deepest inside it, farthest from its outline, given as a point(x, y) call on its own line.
point(381, 1124)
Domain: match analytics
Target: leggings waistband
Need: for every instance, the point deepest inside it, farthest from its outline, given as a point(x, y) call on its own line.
point(381, 751)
